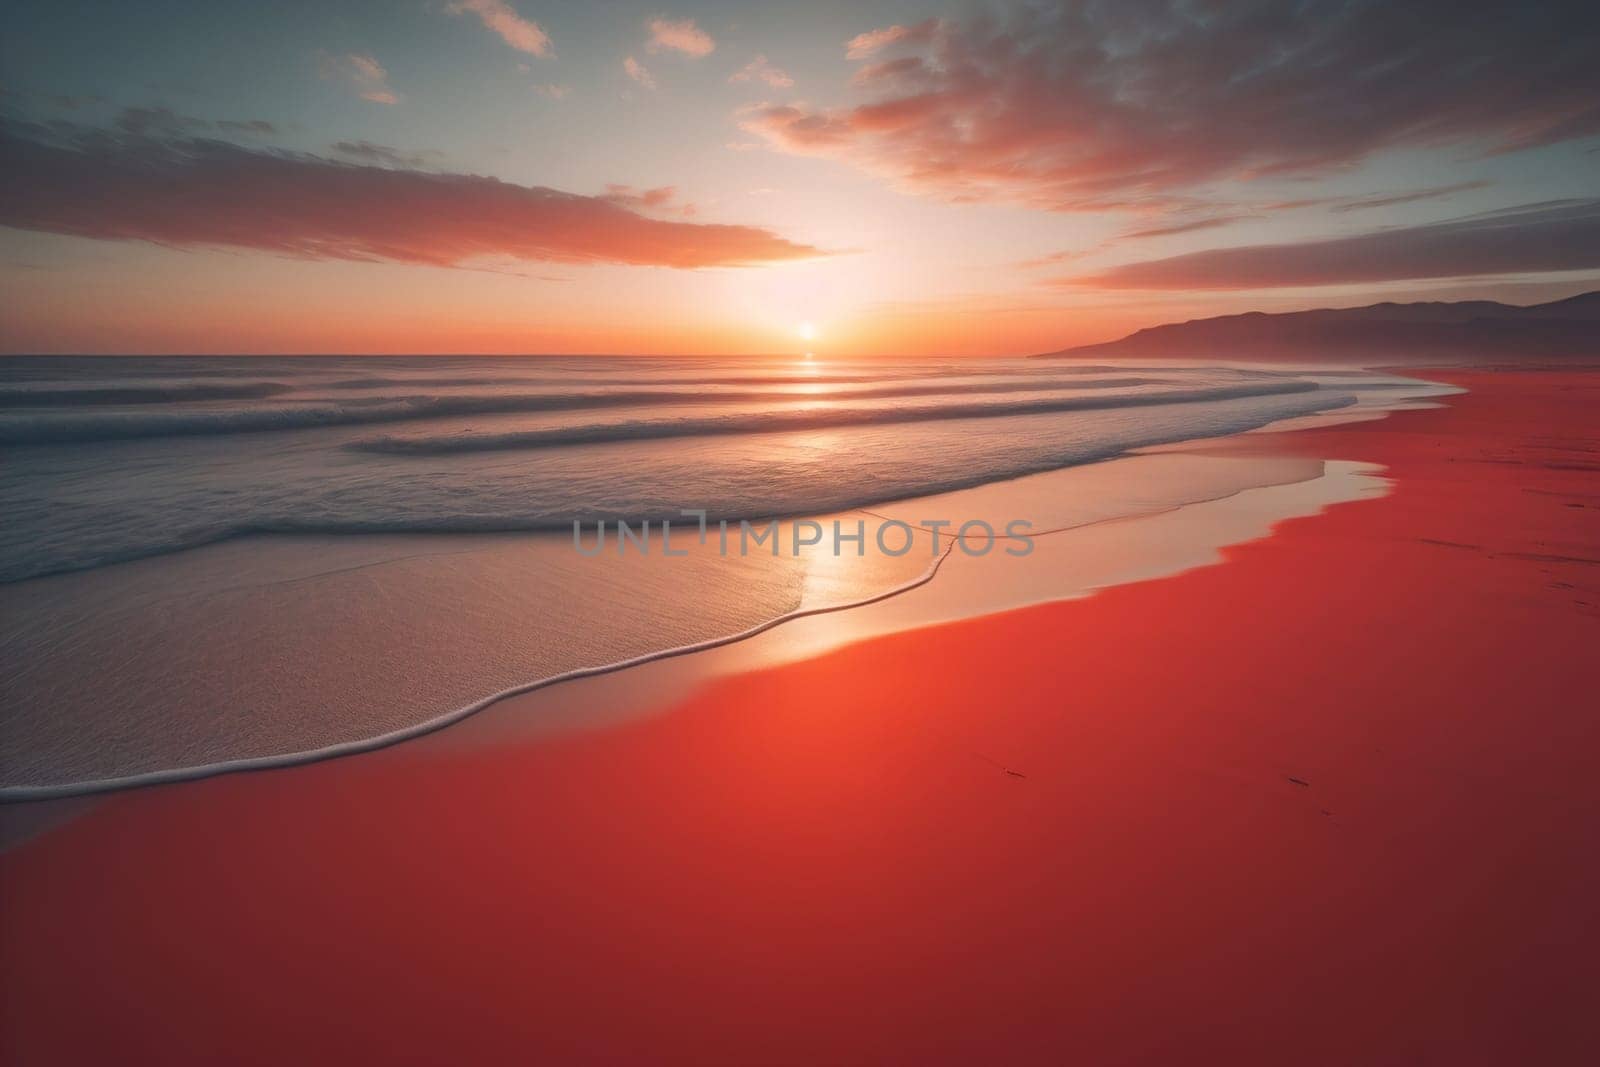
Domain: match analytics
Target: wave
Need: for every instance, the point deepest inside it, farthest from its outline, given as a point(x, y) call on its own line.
point(558, 513)
point(425, 381)
point(804, 419)
point(72, 427)
point(61, 396)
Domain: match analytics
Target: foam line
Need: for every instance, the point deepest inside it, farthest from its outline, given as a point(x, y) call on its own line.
point(15, 794)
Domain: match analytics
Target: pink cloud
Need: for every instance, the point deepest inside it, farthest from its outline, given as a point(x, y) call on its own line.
point(524, 35)
point(188, 193)
point(680, 35)
point(1074, 106)
point(662, 199)
point(758, 69)
point(870, 43)
point(638, 73)
point(365, 76)
point(627, 194)
point(1054, 259)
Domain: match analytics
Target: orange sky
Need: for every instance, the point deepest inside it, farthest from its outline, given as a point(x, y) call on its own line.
point(513, 177)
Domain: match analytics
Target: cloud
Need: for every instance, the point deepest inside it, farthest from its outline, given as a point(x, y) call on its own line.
point(905, 72)
point(1366, 203)
point(661, 199)
point(63, 101)
point(1536, 238)
point(383, 155)
point(189, 193)
point(524, 35)
point(1053, 259)
point(680, 35)
point(872, 42)
point(631, 197)
point(758, 69)
point(637, 72)
point(1183, 227)
point(365, 76)
point(256, 126)
point(1066, 106)
point(156, 120)
point(162, 120)
point(554, 91)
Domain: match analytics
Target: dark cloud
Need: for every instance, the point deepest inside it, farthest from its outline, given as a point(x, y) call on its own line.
point(383, 155)
point(1553, 236)
point(163, 121)
point(1074, 105)
point(256, 126)
point(141, 120)
point(190, 192)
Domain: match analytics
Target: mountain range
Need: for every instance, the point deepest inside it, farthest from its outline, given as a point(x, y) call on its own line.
point(1469, 331)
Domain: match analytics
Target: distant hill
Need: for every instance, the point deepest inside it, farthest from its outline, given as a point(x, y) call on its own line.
point(1470, 331)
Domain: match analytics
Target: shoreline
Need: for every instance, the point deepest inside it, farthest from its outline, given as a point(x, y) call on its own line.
point(33, 794)
point(868, 589)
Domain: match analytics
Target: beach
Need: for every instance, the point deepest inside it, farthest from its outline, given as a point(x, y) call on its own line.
point(1330, 800)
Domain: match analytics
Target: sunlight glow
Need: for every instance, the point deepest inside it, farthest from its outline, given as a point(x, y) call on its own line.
point(807, 330)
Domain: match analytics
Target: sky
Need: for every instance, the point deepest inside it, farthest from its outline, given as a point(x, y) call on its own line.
point(897, 178)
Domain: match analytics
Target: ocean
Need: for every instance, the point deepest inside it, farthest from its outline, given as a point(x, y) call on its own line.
point(208, 560)
point(111, 459)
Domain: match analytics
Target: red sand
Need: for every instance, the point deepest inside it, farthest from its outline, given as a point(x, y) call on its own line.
point(821, 864)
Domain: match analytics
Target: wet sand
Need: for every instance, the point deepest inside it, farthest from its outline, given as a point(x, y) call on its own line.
point(1334, 801)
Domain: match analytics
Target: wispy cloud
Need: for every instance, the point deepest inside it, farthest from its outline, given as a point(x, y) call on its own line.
point(384, 156)
point(628, 195)
point(163, 120)
point(365, 76)
point(553, 91)
point(637, 72)
point(863, 45)
point(1176, 228)
point(156, 120)
point(1366, 203)
point(1053, 259)
point(524, 35)
point(258, 127)
point(1536, 238)
point(188, 193)
point(680, 35)
point(758, 69)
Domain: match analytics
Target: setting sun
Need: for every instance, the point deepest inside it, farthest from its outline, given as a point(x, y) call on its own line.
point(807, 330)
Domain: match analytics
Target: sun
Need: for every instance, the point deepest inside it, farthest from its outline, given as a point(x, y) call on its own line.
point(807, 330)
